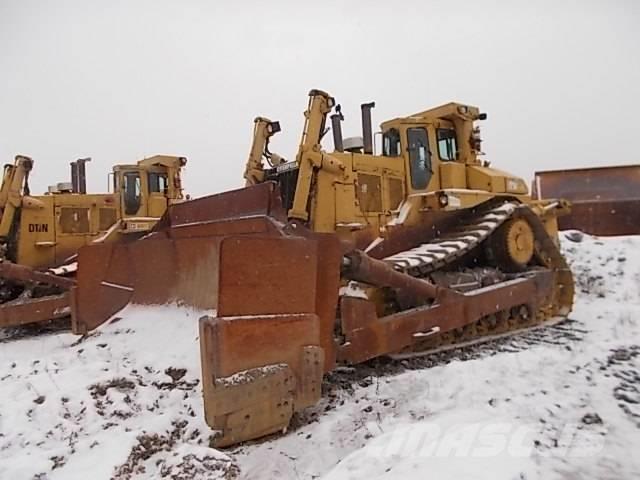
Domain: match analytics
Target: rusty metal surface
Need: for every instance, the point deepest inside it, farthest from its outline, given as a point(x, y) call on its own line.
point(24, 274)
point(604, 200)
point(267, 275)
point(23, 311)
point(34, 310)
point(363, 268)
point(259, 403)
point(103, 286)
point(178, 261)
point(293, 275)
point(603, 217)
point(258, 200)
point(368, 336)
point(156, 271)
point(231, 347)
point(242, 226)
point(275, 317)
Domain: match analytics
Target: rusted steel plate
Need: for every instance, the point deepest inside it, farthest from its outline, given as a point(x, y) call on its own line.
point(257, 370)
point(604, 200)
point(186, 275)
point(35, 310)
point(150, 272)
point(261, 199)
point(267, 275)
point(275, 275)
point(243, 226)
point(232, 344)
point(603, 217)
point(105, 285)
point(326, 289)
point(258, 403)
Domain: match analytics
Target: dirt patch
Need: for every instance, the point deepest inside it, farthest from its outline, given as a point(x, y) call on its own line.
point(177, 380)
point(121, 384)
point(188, 467)
point(176, 373)
point(100, 394)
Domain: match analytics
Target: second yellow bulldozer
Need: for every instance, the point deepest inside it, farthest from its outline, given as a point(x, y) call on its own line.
point(40, 234)
point(340, 257)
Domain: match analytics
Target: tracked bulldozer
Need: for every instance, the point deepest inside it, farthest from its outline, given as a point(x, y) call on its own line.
point(340, 257)
point(40, 235)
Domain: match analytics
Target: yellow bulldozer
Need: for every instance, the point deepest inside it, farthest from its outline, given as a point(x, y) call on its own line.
point(40, 235)
point(340, 257)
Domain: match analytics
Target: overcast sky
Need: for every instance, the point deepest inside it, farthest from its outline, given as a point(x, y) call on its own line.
point(121, 80)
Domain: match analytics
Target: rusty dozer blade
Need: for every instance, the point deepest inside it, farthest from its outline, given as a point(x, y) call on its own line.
point(177, 262)
point(604, 200)
point(264, 354)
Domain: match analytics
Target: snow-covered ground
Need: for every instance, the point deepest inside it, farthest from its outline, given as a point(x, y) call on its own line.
point(560, 402)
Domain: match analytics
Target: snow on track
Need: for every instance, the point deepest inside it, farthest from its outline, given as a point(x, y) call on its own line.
point(561, 402)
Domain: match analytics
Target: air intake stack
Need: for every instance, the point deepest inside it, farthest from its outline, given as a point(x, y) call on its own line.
point(367, 130)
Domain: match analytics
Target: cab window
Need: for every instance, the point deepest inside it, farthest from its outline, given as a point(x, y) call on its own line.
point(419, 157)
point(447, 148)
point(131, 192)
point(391, 143)
point(158, 183)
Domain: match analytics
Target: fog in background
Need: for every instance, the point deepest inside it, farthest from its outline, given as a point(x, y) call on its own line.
point(121, 80)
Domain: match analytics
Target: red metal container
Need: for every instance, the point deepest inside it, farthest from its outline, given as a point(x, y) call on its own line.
point(604, 200)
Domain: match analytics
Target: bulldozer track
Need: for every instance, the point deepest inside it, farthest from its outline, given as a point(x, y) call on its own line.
point(444, 250)
point(560, 332)
point(550, 322)
point(427, 258)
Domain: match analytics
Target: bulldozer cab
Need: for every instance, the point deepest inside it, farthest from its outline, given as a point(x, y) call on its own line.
point(440, 147)
point(146, 189)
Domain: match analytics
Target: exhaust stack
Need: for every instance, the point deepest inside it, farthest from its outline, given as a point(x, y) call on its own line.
point(74, 177)
point(336, 127)
point(367, 131)
point(79, 175)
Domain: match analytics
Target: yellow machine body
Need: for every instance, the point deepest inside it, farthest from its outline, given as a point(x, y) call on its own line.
point(45, 230)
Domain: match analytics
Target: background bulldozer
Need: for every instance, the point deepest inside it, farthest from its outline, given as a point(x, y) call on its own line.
point(339, 258)
point(40, 235)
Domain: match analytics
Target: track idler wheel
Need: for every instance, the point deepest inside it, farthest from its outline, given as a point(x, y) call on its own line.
point(512, 246)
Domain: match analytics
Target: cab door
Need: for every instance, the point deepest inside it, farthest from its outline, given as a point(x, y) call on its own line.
point(420, 168)
point(158, 183)
point(132, 194)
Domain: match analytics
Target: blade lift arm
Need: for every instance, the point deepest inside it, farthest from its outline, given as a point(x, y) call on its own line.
point(15, 185)
point(311, 157)
point(263, 130)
